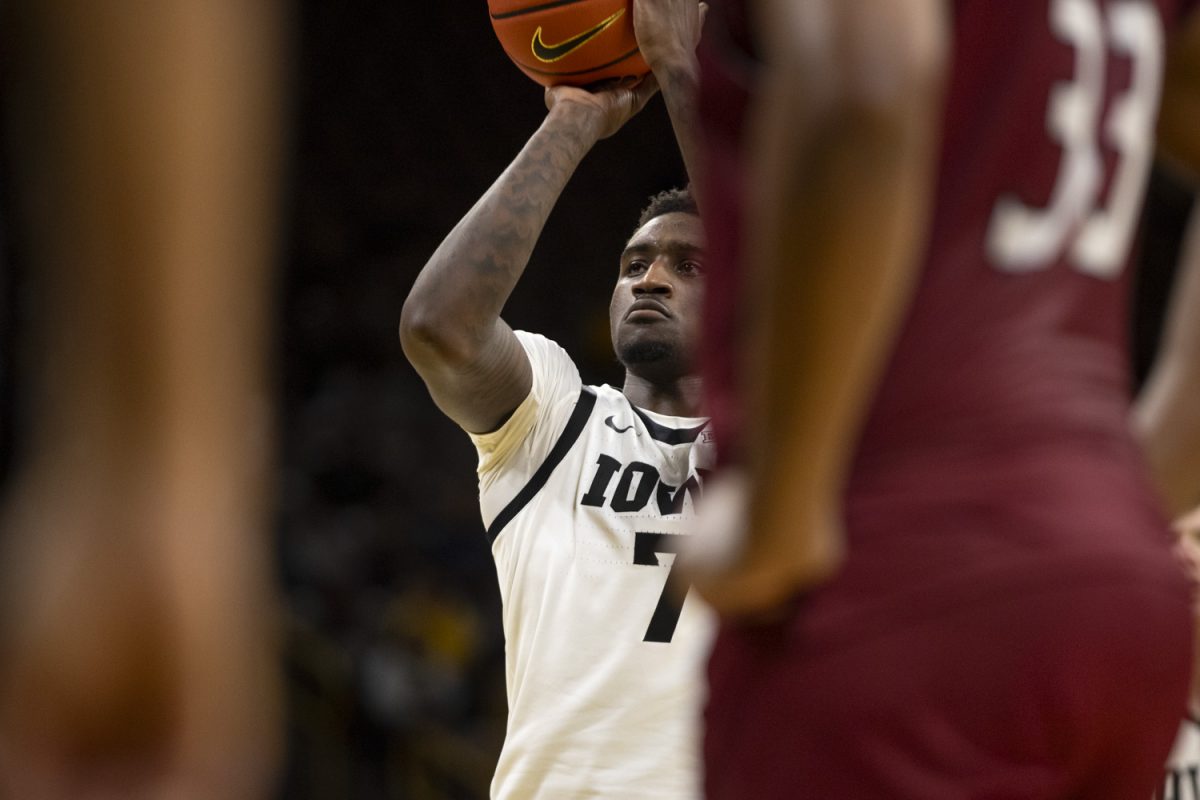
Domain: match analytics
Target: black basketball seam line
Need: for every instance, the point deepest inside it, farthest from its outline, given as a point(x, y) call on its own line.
point(533, 9)
point(616, 60)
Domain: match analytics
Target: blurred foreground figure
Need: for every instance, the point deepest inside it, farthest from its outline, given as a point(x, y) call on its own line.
point(138, 638)
point(958, 570)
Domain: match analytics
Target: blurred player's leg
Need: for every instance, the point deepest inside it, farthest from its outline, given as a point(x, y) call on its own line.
point(138, 637)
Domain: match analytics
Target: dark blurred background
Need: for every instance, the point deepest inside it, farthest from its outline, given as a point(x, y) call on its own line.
point(402, 115)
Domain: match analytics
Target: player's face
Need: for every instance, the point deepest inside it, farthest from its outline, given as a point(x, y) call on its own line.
point(655, 310)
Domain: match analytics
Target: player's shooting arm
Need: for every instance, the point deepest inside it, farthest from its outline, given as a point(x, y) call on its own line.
point(667, 33)
point(842, 142)
point(1167, 413)
point(450, 327)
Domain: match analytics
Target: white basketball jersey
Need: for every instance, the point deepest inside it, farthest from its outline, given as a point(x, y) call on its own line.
point(1182, 779)
point(586, 499)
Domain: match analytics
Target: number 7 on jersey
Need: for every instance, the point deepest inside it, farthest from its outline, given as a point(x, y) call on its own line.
point(646, 547)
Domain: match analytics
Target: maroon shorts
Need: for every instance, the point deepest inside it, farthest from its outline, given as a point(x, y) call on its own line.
point(1065, 689)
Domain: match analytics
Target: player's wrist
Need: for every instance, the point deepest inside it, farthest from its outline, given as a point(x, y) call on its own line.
point(675, 65)
point(581, 119)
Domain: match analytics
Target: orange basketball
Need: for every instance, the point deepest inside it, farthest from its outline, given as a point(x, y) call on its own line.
point(577, 42)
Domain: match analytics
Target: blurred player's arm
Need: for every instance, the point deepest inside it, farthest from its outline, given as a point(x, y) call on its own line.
point(842, 145)
point(667, 34)
point(137, 655)
point(450, 328)
point(1167, 413)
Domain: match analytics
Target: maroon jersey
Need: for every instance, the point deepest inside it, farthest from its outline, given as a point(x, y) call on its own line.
point(998, 440)
point(1008, 622)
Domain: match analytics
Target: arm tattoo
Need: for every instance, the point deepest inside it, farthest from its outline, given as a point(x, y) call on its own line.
point(472, 273)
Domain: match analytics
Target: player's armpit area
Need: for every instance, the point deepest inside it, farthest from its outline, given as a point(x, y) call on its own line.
point(495, 447)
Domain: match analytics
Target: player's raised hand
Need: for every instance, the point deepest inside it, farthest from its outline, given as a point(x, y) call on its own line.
point(609, 106)
point(754, 577)
point(668, 30)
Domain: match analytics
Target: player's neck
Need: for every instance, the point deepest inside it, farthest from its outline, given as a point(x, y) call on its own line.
point(678, 398)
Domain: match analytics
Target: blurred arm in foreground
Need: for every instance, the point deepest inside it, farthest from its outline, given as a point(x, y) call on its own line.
point(842, 132)
point(1167, 413)
point(138, 642)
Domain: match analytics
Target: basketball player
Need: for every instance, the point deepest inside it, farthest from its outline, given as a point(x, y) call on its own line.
point(137, 646)
point(968, 570)
point(586, 491)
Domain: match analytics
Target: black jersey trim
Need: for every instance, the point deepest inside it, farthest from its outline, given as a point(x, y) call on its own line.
point(566, 440)
point(662, 433)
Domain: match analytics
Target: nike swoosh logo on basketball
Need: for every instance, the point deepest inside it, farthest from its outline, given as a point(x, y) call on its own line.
point(609, 422)
point(553, 52)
